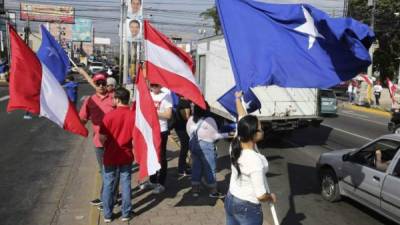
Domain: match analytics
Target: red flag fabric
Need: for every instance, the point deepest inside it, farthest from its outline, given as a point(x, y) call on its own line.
point(170, 66)
point(146, 134)
point(392, 88)
point(367, 79)
point(35, 89)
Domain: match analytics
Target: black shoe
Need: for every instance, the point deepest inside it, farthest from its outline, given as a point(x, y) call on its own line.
point(185, 173)
point(216, 195)
point(96, 202)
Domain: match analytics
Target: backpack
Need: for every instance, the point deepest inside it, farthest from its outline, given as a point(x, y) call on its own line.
point(194, 140)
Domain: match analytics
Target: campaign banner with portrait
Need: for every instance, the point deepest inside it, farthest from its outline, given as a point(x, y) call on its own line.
point(82, 30)
point(135, 9)
point(133, 30)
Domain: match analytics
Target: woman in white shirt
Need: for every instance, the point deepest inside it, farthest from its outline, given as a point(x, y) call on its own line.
point(203, 132)
point(248, 185)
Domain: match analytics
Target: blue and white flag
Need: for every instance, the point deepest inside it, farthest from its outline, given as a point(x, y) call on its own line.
point(292, 45)
point(53, 56)
point(250, 100)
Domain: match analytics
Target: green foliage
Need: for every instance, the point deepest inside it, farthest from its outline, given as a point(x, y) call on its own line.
point(387, 30)
point(212, 13)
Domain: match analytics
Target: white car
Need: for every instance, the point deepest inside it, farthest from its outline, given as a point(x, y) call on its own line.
point(369, 175)
point(95, 67)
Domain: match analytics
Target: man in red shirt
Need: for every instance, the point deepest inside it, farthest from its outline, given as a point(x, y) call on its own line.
point(116, 134)
point(94, 108)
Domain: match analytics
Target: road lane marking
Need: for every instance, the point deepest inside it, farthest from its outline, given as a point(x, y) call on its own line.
point(347, 132)
point(354, 114)
point(356, 117)
point(4, 98)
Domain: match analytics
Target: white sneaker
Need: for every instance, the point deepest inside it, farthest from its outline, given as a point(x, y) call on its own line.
point(147, 185)
point(158, 189)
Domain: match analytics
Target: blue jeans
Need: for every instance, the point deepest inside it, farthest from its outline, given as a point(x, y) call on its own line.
point(110, 179)
point(99, 157)
point(204, 159)
point(240, 212)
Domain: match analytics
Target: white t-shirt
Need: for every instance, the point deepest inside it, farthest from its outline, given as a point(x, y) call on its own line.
point(162, 102)
point(253, 181)
point(378, 88)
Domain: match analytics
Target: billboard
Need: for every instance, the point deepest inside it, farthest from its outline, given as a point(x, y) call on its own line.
point(47, 13)
point(82, 30)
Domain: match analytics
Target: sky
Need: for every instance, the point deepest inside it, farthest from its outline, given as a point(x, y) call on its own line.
point(178, 18)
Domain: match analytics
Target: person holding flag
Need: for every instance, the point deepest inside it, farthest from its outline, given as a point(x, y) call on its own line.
point(94, 108)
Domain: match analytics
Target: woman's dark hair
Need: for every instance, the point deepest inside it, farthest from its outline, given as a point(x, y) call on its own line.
point(199, 113)
point(246, 129)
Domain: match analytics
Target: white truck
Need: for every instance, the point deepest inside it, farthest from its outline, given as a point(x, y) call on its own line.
point(282, 109)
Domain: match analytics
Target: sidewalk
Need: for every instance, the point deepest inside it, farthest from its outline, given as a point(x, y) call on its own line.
point(378, 111)
point(176, 206)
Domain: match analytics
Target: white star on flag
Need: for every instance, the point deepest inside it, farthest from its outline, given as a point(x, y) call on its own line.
point(309, 28)
point(52, 51)
point(247, 104)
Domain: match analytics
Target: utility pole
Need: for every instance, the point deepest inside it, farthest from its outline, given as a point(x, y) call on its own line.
point(346, 8)
point(121, 41)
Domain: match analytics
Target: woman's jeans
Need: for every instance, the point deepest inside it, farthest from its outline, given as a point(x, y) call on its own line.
point(241, 212)
point(204, 159)
point(110, 179)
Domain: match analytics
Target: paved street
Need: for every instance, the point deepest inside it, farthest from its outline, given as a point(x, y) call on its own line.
point(45, 181)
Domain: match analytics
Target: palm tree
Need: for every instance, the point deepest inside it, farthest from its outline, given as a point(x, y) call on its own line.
point(212, 13)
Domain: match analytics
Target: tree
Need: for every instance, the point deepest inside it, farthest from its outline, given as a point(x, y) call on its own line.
point(387, 30)
point(212, 13)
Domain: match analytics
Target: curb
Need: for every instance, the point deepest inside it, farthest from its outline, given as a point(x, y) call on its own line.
point(368, 110)
point(94, 213)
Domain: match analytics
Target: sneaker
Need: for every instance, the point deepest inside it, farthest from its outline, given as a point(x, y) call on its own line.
point(27, 117)
point(100, 207)
point(96, 202)
point(107, 220)
point(126, 219)
point(158, 189)
point(216, 195)
point(185, 173)
point(147, 185)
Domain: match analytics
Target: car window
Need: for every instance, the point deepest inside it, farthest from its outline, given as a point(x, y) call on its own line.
point(327, 94)
point(396, 171)
point(368, 155)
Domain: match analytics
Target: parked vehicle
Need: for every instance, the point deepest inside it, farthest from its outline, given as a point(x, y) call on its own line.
point(328, 102)
point(282, 109)
point(358, 174)
point(95, 67)
point(394, 124)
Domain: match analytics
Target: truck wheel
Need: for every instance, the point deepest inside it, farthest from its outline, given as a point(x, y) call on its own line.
point(396, 129)
point(329, 186)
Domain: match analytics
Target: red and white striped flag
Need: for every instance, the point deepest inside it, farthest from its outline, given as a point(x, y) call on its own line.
point(392, 88)
point(146, 134)
point(34, 88)
point(170, 66)
point(367, 79)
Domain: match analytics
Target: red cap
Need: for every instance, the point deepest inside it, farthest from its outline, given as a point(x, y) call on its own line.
point(99, 76)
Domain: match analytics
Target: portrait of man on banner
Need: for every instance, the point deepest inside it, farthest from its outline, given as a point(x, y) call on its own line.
point(133, 30)
point(135, 9)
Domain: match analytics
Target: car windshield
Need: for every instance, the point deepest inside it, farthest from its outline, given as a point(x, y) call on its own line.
point(327, 94)
point(97, 64)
